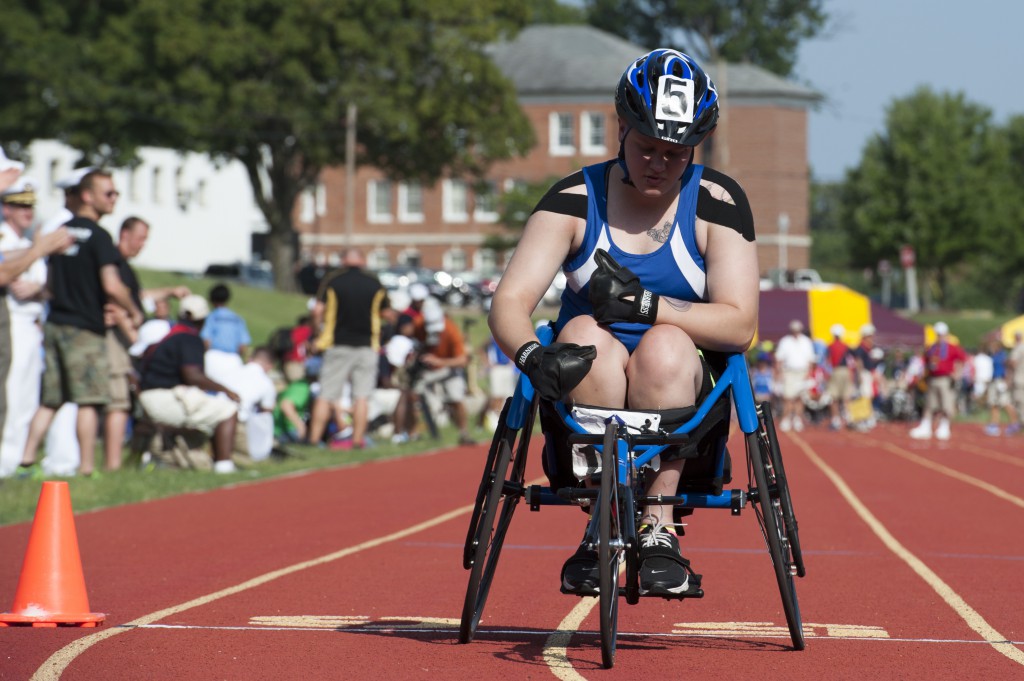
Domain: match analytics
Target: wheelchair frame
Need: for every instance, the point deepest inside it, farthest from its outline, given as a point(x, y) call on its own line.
point(612, 528)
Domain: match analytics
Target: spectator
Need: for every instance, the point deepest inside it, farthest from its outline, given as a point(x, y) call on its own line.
point(291, 414)
point(1016, 371)
point(348, 311)
point(82, 281)
point(943, 361)
point(401, 353)
point(998, 394)
point(839, 359)
point(418, 293)
point(122, 334)
point(257, 400)
point(225, 330)
point(174, 388)
point(293, 360)
point(502, 375)
point(21, 362)
point(763, 378)
point(794, 359)
point(152, 330)
point(444, 358)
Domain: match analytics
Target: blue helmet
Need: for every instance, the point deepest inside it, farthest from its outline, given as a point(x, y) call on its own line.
point(665, 94)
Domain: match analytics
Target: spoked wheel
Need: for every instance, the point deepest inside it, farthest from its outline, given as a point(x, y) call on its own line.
point(495, 516)
point(768, 509)
point(610, 547)
point(509, 436)
point(788, 515)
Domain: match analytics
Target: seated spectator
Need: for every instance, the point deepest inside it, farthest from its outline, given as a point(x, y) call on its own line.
point(258, 397)
point(225, 330)
point(444, 358)
point(400, 353)
point(175, 389)
point(291, 414)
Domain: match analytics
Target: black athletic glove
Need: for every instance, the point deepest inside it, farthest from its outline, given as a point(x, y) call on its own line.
point(554, 370)
point(611, 284)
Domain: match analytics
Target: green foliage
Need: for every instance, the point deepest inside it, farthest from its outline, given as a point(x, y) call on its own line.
point(763, 32)
point(935, 178)
point(269, 83)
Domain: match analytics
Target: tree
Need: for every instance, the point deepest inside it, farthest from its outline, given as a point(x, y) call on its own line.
point(762, 32)
point(936, 178)
point(269, 83)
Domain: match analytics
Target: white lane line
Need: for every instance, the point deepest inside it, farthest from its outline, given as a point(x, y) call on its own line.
point(55, 665)
point(534, 632)
point(953, 473)
point(971, 616)
point(556, 655)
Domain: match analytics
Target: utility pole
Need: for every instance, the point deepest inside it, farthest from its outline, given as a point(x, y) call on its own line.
point(350, 173)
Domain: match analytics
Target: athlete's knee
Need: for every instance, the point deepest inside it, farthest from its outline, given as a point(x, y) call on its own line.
point(585, 330)
point(666, 351)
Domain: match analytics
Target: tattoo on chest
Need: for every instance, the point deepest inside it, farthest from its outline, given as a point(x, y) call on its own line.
point(660, 234)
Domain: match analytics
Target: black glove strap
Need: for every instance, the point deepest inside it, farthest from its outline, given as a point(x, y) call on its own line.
point(523, 354)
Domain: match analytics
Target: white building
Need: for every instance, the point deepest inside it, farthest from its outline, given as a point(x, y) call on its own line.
point(199, 212)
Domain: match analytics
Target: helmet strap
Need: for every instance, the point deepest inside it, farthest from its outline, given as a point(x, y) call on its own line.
point(622, 159)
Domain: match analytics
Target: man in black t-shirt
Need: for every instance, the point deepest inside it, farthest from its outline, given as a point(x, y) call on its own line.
point(348, 312)
point(81, 281)
point(174, 388)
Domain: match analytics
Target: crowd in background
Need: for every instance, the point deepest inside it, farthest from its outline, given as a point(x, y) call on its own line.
point(837, 385)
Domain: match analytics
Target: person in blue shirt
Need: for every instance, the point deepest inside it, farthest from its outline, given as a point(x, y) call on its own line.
point(998, 393)
point(659, 258)
point(224, 329)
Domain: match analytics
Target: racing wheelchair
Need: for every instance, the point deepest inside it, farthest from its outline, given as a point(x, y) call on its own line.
point(616, 499)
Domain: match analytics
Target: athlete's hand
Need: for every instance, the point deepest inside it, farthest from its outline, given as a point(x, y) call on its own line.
point(554, 370)
point(617, 294)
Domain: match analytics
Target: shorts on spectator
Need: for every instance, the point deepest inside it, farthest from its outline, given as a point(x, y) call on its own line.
point(187, 406)
point(941, 395)
point(840, 385)
point(502, 381)
point(77, 367)
point(794, 383)
point(998, 393)
point(348, 364)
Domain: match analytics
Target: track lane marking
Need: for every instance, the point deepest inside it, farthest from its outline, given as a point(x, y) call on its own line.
point(951, 472)
point(971, 616)
point(988, 453)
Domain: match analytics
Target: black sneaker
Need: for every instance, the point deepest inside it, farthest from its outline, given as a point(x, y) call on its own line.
point(662, 570)
point(580, 573)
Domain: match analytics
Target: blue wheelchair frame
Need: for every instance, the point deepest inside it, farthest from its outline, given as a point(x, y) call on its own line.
point(616, 535)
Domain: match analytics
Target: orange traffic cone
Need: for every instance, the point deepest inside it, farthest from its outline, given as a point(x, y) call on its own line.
point(51, 590)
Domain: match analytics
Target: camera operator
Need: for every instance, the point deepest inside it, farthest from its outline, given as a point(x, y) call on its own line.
point(444, 359)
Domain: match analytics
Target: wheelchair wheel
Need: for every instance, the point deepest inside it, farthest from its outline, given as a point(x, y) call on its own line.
point(768, 510)
point(492, 524)
point(788, 515)
point(509, 436)
point(610, 544)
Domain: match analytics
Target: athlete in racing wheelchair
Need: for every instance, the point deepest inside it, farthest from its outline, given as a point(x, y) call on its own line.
point(660, 259)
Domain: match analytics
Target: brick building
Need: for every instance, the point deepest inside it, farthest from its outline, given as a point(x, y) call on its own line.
point(565, 77)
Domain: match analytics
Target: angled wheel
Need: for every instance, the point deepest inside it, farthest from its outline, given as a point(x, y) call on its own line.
point(786, 501)
point(610, 544)
point(495, 516)
point(518, 442)
point(768, 509)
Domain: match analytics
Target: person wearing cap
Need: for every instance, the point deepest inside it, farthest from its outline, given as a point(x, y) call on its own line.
point(418, 293)
point(869, 364)
point(122, 334)
point(21, 362)
point(444, 357)
point(82, 280)
point(175, 391)
point(943, 362)
point(794, 359)
point(350, 308)
point(1015, 367)
point(839, 361)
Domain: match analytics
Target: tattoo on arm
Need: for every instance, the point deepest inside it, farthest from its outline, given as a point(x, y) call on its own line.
point(660, 234)
point(681, 305)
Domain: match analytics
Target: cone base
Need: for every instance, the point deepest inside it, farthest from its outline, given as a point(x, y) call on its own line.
point(91, 619)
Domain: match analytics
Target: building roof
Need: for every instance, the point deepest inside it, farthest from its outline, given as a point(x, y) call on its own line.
point(546, 60)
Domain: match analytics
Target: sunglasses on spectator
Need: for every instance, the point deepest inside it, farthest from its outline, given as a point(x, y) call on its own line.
point(112, 194)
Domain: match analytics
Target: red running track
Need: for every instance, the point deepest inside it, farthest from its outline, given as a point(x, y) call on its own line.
point(913, 553)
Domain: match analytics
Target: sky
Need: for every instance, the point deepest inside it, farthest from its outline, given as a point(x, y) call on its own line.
point(881, 50)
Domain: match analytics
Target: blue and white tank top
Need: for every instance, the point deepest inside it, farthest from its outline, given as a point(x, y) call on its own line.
point(676, 269)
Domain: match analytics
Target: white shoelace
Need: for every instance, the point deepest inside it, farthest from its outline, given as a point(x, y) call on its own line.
point(659, 536)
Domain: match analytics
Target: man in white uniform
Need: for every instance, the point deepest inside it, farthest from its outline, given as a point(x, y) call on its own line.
point(794, 358)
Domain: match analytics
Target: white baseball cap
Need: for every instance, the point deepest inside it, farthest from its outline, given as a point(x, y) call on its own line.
point(433, 315)
point(941, 328)
point(868, 329)
point(418, 291)
point(838, 330)
point(196, 307)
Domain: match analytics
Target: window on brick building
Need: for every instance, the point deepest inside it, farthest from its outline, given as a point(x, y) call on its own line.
point(486, 208)
point(454, 260)
point(410, 202)
point(592, 133)
point(485, 260)
point(409, 256)
point(378, 200)
point(378, 259)
point(562, 134)
point(454, 200)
